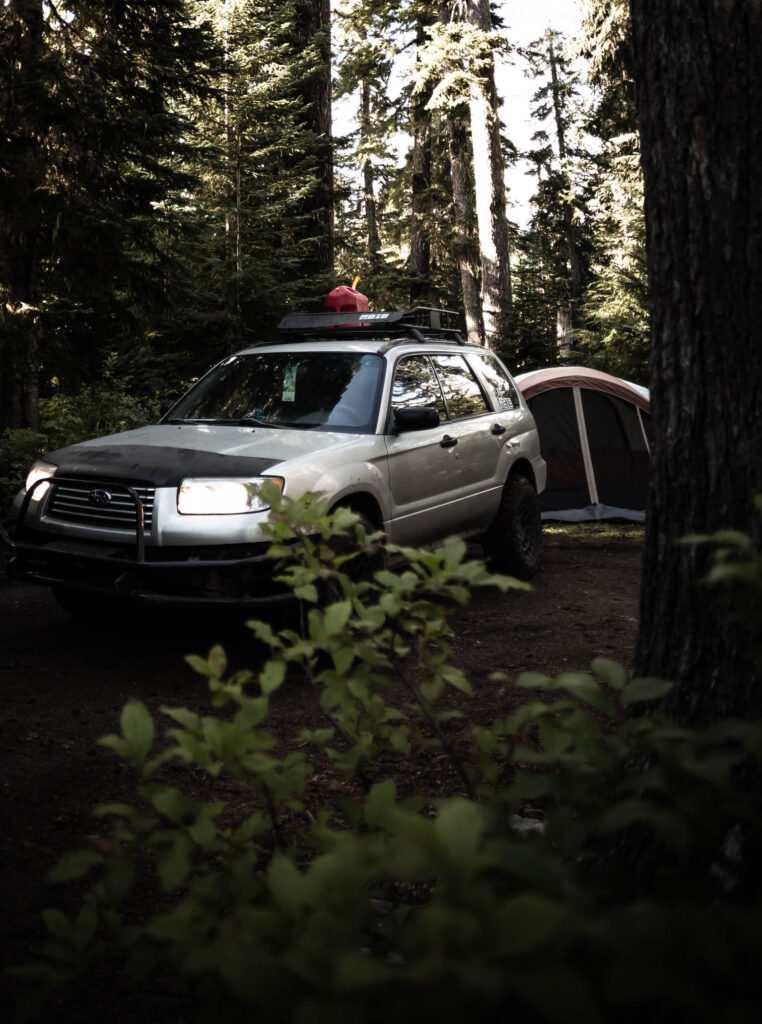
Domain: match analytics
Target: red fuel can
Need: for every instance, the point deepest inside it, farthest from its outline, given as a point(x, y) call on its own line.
point(346, 300)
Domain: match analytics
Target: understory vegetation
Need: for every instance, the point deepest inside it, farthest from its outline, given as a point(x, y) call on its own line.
point(595, 861)
point(111, 404)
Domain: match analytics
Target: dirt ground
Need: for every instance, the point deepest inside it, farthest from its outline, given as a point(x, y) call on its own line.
point(62, 686)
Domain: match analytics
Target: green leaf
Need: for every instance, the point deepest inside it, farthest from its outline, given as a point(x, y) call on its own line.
point(432, 689)
point(73, 865)
point(336, 617)
point(319, 736)
point(263, 631)
point(173, 862)
point(456, 678)
point(137, 729)
point(188, 719)
point(453, 551)
point(217, 661)
point(585, 688)
point(307, 592)
point(380, 803)
point(255, 825)
point(555, 740)
point(343, 659)
point(286, 883)
point(198, 664)
point(532, 681)
point(460, 824)
point(610, 672)
point(271, 677)
point(645, 689)
point(253, 711)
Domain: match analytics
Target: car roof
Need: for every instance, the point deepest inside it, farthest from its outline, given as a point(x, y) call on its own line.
point(376, 346)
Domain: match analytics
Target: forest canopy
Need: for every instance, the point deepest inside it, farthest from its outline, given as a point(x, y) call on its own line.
point(173, 182)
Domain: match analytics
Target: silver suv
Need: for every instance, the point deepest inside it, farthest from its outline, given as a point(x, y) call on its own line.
point(391, 414)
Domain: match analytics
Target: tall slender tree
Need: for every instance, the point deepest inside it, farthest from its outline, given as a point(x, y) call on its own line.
point(312, 34)
point(420, 234)
point(464, 232)
point(489, 176)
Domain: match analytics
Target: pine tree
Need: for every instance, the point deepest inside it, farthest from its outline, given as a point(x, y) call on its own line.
point(615, 305)
point(262, 200)
point(558, 200)
point(93, 147)
point(366, 49)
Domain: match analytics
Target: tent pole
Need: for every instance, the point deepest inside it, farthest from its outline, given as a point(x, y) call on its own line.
point(584, 444)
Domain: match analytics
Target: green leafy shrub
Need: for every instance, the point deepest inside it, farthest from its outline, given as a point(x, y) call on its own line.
point(98, 409)
point(596, 866)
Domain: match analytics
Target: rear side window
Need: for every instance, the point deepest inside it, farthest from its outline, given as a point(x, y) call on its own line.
point(416, 384)
point(462, 391)
point(497, 378)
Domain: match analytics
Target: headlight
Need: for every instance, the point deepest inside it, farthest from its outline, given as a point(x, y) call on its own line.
point(199, 496)
point(39, 471)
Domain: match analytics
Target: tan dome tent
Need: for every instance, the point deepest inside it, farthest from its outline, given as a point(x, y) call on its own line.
point(594, 437)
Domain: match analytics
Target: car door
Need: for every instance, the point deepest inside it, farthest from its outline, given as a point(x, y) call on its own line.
point(440, 478)
point(424, 465)
point(512, 428)
point(475, 425)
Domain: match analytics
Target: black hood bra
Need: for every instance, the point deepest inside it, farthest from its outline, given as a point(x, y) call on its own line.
point(152, 464)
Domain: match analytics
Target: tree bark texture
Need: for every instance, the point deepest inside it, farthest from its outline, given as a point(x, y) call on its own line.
point(489, 193)
point(313, 25)
point(22, 173)
point(697, 65)
point(465, 217)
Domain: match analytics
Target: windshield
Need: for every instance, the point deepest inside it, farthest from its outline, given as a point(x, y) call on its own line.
point(307, 390)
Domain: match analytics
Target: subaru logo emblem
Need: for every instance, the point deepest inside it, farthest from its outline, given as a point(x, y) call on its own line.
point(99, 497)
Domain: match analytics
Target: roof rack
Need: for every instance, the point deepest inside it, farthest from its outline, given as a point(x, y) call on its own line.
point(419, 323)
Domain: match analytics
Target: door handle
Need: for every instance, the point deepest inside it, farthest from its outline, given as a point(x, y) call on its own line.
point(498, 428)
point(448, 442)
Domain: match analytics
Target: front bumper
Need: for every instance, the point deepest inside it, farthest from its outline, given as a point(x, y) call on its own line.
point(236, 575)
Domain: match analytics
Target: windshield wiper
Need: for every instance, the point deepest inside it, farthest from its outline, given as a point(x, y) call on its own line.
point(253, 421)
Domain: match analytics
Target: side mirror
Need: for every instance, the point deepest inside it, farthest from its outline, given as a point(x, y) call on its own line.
point(421, 417)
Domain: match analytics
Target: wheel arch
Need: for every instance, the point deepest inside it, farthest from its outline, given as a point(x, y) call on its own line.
point(523, 467)
point(364, 504)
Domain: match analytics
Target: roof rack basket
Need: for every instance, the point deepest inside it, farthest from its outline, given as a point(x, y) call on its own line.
point(419, 323)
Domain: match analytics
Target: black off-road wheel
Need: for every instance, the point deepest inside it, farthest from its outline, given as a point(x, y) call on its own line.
point(513, 544)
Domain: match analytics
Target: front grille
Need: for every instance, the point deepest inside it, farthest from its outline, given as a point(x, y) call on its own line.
point(78, 502)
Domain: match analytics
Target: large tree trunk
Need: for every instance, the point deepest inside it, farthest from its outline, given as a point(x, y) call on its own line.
point(313, 25)
point(699, 88)
point(463, 200)
point(23, 172)
point(489, 186)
